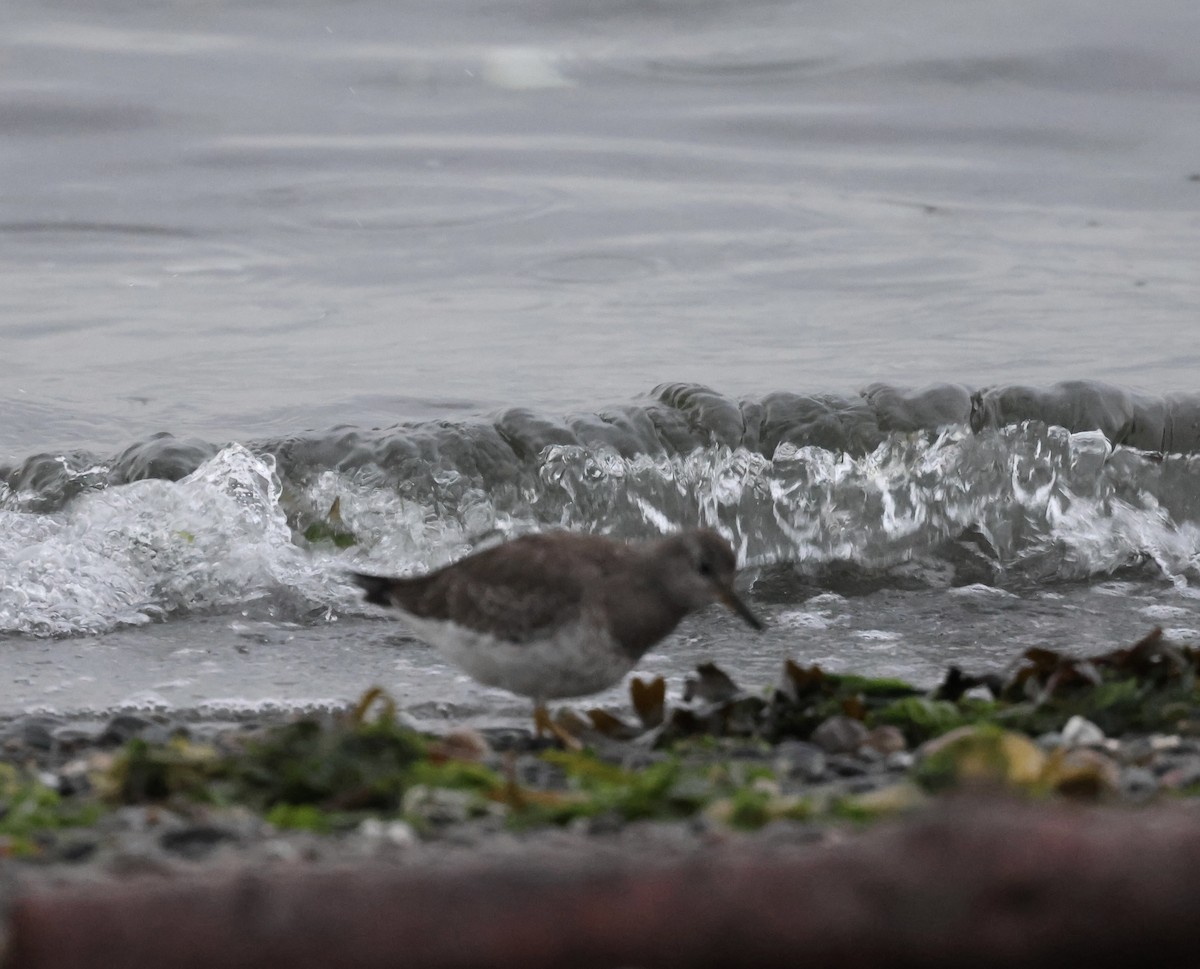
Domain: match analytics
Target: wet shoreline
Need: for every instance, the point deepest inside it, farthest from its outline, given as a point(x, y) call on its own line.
point(812, 760)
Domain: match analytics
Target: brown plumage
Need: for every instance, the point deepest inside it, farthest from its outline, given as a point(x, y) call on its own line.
point(562, 614)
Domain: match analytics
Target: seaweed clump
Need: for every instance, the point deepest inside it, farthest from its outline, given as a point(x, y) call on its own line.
point(1148, 686)
point(813, 747)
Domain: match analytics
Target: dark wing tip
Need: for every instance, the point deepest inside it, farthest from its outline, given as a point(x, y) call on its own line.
point(377, 588)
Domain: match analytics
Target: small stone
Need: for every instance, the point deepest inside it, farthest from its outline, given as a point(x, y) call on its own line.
point(901, 760)
point(840, 735)
point(886, 740)
point(438, 805)
point(1081, 732)
point(72, 737)
point(891, 799)
point(846, 766)
point(141, 819)
point(36, 733)
point(136, 857)
point(800, 760)
point(157, 734)
point(463, 744)
point(70, 782)
point(980, 756)
point(1084, 773)
point(280, 849)
point(1138, 784)
point(1137, 751)
point(861, 784)
point(1165, 763)
point(195, 841)
point(1181, 774)
point(606, 822)
point(78, 848)
point(398, 833)
point(122, 728)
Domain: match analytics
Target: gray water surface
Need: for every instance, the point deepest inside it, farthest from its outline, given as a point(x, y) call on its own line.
point(253, 222)
point(241, 219)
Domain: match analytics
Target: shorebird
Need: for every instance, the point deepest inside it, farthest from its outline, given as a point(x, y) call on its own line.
point(561, 615)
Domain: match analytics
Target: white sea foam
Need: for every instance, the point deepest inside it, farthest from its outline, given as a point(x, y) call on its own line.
point(1025, 501)
point(138, 552)
point(1036, 501)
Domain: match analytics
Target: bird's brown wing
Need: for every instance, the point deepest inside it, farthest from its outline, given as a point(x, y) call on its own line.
point(516, 590)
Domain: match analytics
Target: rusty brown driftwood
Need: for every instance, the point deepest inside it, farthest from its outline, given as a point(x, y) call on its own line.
point(986, 885)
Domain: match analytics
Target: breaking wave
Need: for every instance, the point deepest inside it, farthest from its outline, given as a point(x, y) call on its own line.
point(1005, 486)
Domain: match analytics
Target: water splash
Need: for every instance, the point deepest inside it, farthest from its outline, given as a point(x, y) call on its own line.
point(1024, 503)
point(139, 552)
point(1046, 503)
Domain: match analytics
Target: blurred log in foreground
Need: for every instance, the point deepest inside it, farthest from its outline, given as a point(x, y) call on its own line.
point(997, 884)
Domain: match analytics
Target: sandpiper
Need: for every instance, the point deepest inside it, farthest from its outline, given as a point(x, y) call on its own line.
point(559, 614)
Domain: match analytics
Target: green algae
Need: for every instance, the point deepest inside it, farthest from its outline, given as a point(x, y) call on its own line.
point(323, 533)
point(300, 817)
point(1150, 686)
point(29, 808)
point(709, 758)
point(142, 772)
point(921, 717)
point(314, 773)
point(594, 787)
point(735, 793)
point(983, 754)
point(330, 531)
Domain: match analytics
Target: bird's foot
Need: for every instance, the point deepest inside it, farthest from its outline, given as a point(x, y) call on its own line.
point(544, 724)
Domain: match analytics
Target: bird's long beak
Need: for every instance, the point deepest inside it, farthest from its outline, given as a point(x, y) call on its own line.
point(733, 601)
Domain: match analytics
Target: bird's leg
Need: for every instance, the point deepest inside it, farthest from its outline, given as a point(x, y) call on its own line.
point(544, 724)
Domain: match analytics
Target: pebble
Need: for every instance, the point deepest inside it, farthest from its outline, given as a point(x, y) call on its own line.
point(122, 728)
point(886, 739)
point(1086, 773)
point(132, 817)
point(606, 822)
point(862, 785)
point(1171, 762)
point(76, 848)
point(846, 766)
point(1180, 774)
point(36, 732)
point(840, 735)
point(399, 833)
point(72, 737)
point(800, 760)
point(1136, 750)
point(1138, 784)
point(438, 806)
point(843, 757)
point(196, 841)
point(1081, 732)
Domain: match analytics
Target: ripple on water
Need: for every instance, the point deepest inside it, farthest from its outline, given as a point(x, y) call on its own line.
point(593, 267)
point(410, 204)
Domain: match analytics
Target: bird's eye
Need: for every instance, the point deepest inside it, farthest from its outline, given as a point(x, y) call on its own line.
point(706, 568)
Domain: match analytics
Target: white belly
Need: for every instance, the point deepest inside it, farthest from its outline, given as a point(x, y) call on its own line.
point(576, 660)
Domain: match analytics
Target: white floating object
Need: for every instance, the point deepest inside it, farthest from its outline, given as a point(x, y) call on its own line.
point(523, 69)
point(1081, 732)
